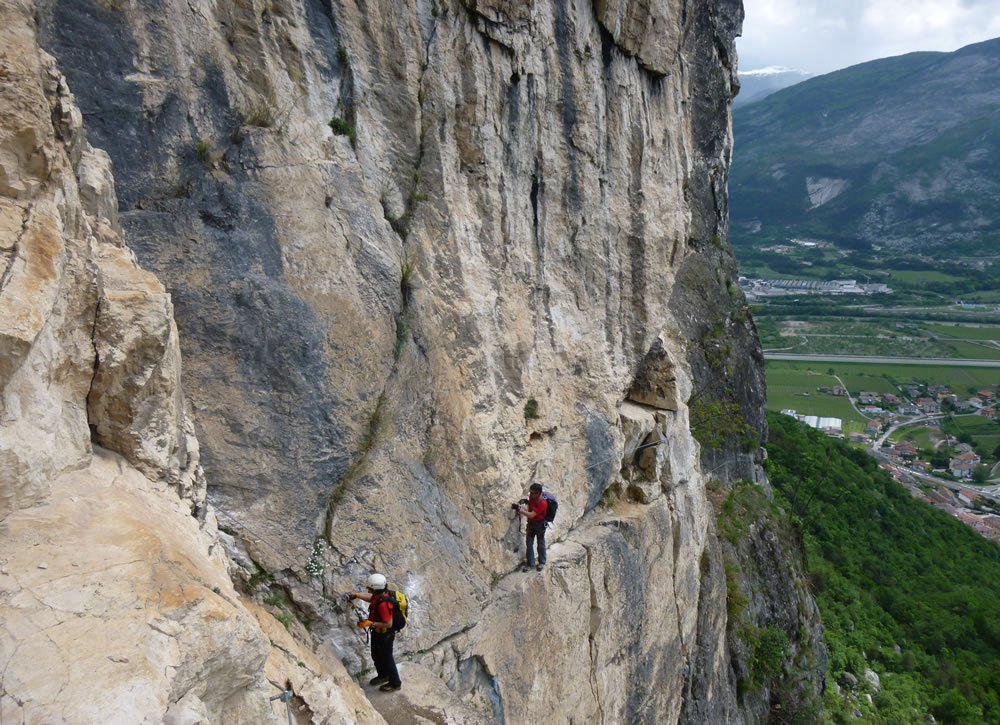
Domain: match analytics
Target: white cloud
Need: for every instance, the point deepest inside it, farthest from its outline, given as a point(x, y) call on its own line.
point(823, 35)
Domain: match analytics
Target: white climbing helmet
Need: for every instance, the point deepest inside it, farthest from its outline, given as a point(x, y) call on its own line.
point(376, 582)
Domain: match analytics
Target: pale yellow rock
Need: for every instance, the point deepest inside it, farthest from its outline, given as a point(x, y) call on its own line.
point(72, 290)
point(655, 382)
point(506, 225)
point(425, 700)
point(322, 686)
point(129, 617)
point(30, 291)
point(649, 30)
point(135, 401)
point(97, 185)
point(11, 223)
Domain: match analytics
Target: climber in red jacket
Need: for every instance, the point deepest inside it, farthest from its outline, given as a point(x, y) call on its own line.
point(382, 634)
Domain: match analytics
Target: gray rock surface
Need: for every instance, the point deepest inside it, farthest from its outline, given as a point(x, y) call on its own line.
point(418, 255)
point(872, 678)
point(116, 604)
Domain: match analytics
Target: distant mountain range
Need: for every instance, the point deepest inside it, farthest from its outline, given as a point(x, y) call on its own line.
point(902, 152)
point(762, 82)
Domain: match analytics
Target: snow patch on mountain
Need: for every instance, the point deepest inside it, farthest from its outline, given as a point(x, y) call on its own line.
point(773, 70)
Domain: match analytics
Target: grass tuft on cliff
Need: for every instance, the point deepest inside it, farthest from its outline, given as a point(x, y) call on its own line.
point(903, 589)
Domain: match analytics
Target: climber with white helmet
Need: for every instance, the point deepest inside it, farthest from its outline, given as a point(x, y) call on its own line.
point(383, 634)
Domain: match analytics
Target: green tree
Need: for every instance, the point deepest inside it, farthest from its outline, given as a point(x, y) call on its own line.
point(952, 707)
point(903, 588)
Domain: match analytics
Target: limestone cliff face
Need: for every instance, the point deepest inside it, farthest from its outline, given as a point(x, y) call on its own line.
point(116, 603)
point(420, 254)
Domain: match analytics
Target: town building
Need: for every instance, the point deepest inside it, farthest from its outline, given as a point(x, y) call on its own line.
point(905, 450)
point(928, 405)
point(963, 465)
point(833, 427)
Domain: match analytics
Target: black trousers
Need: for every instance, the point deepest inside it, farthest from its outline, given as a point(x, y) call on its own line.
point(385, 665)
point(535, 532)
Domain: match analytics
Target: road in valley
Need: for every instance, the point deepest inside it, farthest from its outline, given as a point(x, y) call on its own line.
point(950, 362)
point(877, 443)
point(988, 491)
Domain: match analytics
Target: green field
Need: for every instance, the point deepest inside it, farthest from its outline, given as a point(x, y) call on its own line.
point(857, 378)
point(793, 385)
point(982, 296)
point(876, 337)
point(862, 376)
point(918, 277)
point(985, 432)
point(919, 435)
point(968, 350)
point(963, 331)
point(874, 345)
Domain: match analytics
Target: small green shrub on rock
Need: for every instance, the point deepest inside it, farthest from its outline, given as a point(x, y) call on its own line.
point(343, 128)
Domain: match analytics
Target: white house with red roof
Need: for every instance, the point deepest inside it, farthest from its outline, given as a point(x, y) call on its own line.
point(962, 465)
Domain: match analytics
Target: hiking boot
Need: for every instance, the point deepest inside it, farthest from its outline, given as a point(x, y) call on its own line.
point(389, 687)
point(377, 680)
point(539, 567)
point(525, 566)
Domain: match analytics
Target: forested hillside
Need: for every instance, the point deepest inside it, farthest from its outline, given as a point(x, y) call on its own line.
point(898, 152)
point(904, 590)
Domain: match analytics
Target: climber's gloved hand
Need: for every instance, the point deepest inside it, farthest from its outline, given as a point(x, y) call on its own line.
point(364, 624)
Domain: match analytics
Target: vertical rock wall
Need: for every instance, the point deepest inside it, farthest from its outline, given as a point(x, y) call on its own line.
point(420, 254)
point(88, 337)
point(116, 603)
point(513, 189)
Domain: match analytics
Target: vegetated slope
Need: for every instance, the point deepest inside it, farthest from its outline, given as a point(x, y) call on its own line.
point(903, 588)
point(897, 151)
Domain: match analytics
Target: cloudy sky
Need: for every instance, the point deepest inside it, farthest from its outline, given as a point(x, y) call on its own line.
point(819, 36)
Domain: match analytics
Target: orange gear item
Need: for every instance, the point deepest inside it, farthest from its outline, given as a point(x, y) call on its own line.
point(365, 623)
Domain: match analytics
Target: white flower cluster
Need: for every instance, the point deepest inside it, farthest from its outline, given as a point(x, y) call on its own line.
point(315, 566)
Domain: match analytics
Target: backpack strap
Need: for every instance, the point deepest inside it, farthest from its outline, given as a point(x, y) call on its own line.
point(387, 597)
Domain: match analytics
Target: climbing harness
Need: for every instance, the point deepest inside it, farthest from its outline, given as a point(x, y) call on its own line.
point(362, 619)
point(338, 605)
point(515, 508)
